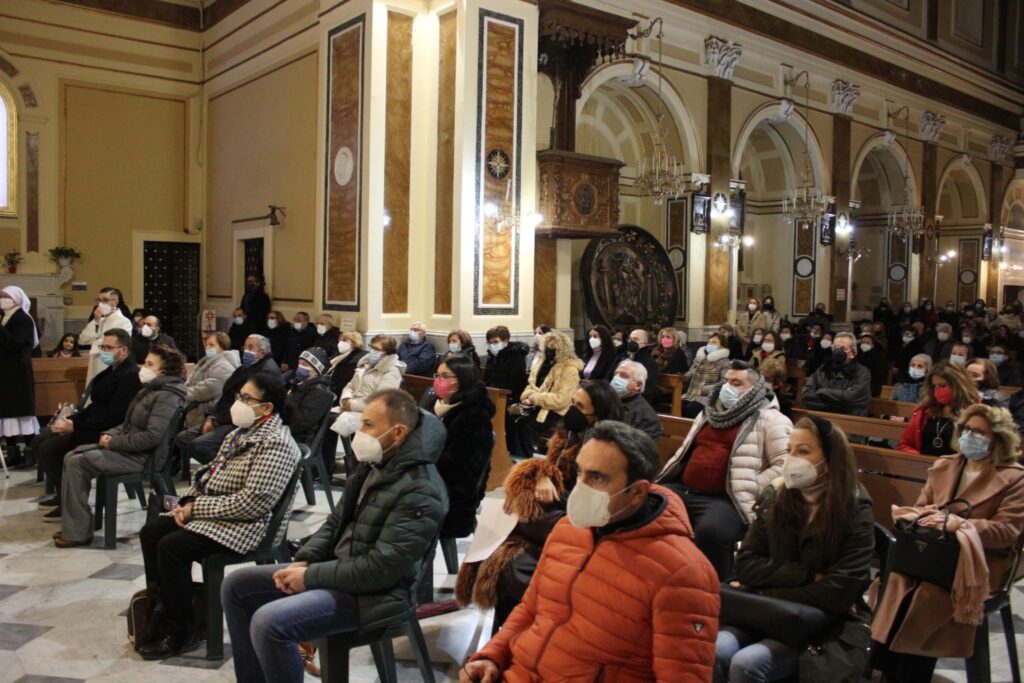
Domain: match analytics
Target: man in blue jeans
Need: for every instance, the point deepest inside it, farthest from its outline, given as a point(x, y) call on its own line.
point(359, 569)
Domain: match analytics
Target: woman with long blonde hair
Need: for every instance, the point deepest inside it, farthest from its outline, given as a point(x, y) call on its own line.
point(948, 391)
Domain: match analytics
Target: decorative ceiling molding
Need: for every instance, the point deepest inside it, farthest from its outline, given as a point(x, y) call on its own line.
point(785, 112)
point(931, 126)
point(999, 148)
point(844, 96)
point(161, 12)
point(720, 56)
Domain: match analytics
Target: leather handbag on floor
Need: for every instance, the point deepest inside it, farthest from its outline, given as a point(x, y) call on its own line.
point(145, 619)
point(927, 553)
point(792, 623)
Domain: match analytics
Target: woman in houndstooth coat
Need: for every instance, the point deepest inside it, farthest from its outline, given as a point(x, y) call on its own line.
point(227, 509)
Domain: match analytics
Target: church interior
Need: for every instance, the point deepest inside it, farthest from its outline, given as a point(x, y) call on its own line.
point(381, 166)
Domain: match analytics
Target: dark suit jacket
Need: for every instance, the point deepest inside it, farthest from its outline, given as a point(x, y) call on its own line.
point(110, 392)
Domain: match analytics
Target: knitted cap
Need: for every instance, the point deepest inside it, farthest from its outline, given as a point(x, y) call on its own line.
point(316, 357)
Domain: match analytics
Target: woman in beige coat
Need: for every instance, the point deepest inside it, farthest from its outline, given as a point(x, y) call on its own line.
point(985, 473)
point(377, 370)
point(554, 378)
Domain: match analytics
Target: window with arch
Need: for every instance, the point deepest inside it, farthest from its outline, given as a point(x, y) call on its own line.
point(8, 152)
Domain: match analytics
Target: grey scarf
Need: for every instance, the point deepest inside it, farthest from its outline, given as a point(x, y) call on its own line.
point(720, 418)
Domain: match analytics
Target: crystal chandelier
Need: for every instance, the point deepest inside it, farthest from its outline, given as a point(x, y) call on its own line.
point(905, 220)
point(805, 206)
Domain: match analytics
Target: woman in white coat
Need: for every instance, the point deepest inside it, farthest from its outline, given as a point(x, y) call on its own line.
point(379, 369)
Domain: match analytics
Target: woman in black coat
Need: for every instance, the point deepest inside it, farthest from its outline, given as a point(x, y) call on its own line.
point(18, 337)
point(465, 463)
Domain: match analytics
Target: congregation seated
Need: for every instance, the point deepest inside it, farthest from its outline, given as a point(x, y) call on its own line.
point(819, 349)
point(948, 391)
point(104, 406)
point(986, 380)
point(240, 328)
point(67, 347)
point(307, 396)
point(752, 343)
point(709, 365)
point(1009, 371)
point(669, 354)
point(416, 352)
point(327, 335)
point(872, 356)
point(758, 316)
point(459, 342)
point(554, 377)
point(348, 353)
point(203, 442)
point(461, 402)
point(910, 346)
point(537, 348)
point(207, 378)
point(791, 346)
point(150, 333)
point(731, 341)
point(768, 352)
point(733, 451)
point(536, 491)
point(506, 361)
point(299, 337)
point(277, 332)
point(841, 385)
point(960, 353)
point(775, 377)
point(640, 349)
point(811, 541)
point(629, 382)
point(601, 356)
point(354, 573)
point(588, 616)
point(378, 370)
point(227, 510)
point(819, 316)
point(915, 622)
point(125, 448)
point(910, 383)
point(941, 346)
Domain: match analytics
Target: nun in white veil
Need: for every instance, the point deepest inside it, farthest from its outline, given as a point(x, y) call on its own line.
point(18, 337)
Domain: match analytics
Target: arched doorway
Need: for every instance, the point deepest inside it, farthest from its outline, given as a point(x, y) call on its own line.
point(964, 214)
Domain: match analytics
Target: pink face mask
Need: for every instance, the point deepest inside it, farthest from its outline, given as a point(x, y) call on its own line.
point(443, 387)
point(666, 342)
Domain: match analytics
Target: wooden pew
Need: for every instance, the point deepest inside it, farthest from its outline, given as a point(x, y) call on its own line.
point(58, 380)
point(881, 406)
point(1008, 390)
point(673, 383)
point(870, 427)
point(501, 462)
point(891, 477)
point(796, 373)
point(673, 432)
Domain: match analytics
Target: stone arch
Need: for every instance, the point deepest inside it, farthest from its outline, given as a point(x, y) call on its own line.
point(772, 113)
point(884, 141)
point(966, 179)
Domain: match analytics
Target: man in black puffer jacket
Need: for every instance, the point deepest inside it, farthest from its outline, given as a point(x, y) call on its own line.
point(359, 571)
point(506, 362)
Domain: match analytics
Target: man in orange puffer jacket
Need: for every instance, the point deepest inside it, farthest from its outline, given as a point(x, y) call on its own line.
point(621, 593)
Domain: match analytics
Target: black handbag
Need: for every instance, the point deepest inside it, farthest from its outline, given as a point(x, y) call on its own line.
point(926, 553)
point(792, 623)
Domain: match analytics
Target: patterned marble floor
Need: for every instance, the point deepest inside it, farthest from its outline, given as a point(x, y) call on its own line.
point(62, 611)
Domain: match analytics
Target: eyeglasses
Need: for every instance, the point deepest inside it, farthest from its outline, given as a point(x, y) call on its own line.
point(104, 347)
point(444, 375)
point(976, 432)
point(248, 400)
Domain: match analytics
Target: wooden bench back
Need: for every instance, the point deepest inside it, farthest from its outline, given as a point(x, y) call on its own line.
point(673, 383)
point(882, 406)
point(869, 427)
point(673, 433)
point(58, 380)
point(887, 391)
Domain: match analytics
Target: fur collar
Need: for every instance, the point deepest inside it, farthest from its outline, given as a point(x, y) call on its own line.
point(720, 354)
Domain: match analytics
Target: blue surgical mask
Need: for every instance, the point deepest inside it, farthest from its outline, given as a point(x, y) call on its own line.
point(248, 358)
point(620, 385)
point(239, 320)
point(710, 348)
point(210, 353)
point(301, 372)
point(973, 446)
point(496, 348)
point(916, 373)
point(107, 357)
point(414, 337)
point(997, 358)
point(454, 347)
point(728, 395)
point(373, 356)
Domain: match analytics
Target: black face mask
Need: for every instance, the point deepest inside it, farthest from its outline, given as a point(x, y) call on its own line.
point(575, 421)
point(549, 354)
point(768, 306)
point(838, 357)
point(632, 347)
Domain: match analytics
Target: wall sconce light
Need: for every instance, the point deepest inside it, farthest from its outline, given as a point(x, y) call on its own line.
point(720, 206)
point(844, 226)
point(272, 216)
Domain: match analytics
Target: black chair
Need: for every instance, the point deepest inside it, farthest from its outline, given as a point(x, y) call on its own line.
point(273, 548)
point(334, 649)
point(449, 547)
point(106, 485)
point(978, 665)
point(184, 455)
point(316, 462)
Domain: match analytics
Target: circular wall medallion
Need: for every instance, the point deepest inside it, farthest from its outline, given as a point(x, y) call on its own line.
point(344, 165)
point(804, 266)
point(968, 277)
point(498, 163)
point(678, 258)
point(897, 272)
point(586, 199)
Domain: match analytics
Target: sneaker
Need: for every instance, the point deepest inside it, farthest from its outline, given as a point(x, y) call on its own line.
point(51, 502)
point(53, 515)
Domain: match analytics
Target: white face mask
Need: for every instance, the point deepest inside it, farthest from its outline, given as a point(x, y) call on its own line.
point(538, 339)
point(785, 336)
point(799, 473)
point(943, 336)
point(616, 343)
point(595, 342)
point(866, 347)
point(299, 326)
point(367, 448)
point(7, 304)
point(105, 309)
point(968, 340)
point(271, 324)
point(242, 415)
point(344, 346)
point(321, 330)
point(826, 343)
point(768, 347)
point(239, 320)
point(146, 331)
point(957, 359)
point(588, 508)
point(751, 307)
point(758, 338)
point(146, 375)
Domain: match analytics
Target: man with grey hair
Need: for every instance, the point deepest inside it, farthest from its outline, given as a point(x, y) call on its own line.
point(629, 381)
point(840, 385)
point(640, 350)
point(941, 346)
point(733, 451)
point(203, 442)
point(149, 334)
point(327, 334)
point(417, 353)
